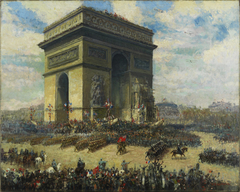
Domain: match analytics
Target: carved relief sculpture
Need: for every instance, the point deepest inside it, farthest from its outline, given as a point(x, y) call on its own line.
point(142, 64)
point(97, 91)
point(97, 52)
point(63, 57)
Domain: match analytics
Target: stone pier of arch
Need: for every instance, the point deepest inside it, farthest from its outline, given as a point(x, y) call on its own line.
point(91, 57)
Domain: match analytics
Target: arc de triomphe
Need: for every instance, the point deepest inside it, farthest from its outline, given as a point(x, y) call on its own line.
point(92, 56)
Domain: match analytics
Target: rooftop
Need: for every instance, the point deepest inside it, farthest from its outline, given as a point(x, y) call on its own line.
point(100, 20)
point(103, 13)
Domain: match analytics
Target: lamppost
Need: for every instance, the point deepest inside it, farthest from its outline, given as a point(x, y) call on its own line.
point(49, 113)
point(68, 108)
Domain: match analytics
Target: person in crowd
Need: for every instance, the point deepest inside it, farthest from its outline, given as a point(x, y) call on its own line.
point(54, 165)
point(80, 163)
point(16, 151)
point(21, 152)
point(102, 164)
point(124, 165)
point(179, 149)
point(32, 152)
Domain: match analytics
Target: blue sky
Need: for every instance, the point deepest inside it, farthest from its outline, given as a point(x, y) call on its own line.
point(196, 61)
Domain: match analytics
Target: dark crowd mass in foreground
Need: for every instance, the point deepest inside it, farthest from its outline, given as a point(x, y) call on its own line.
point(152, 176)
point(95, 135)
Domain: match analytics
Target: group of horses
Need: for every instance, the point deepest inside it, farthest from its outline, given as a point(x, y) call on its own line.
point(25, 159)
point(156, 150)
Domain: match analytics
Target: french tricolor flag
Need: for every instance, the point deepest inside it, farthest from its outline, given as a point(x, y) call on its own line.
point(86, 113)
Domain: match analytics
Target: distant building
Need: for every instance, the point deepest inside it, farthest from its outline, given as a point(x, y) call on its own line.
point(223, 106)
point(167, 110)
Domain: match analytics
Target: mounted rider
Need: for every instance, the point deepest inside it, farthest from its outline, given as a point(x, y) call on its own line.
point(42, 154)
point(179, 149)
point(54, 164)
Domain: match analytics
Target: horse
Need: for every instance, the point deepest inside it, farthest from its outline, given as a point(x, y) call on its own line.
point(52, 170)
point(38, 161)
point(41, 159)
point(175, 152)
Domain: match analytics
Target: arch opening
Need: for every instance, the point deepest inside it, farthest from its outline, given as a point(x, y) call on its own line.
point(119, 83)
point(63, 98)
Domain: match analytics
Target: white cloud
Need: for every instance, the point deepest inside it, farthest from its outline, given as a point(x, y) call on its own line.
point(51, 11)
point(129, 10)
point(6, 15)
point(15, 40)
point(168, 43)
point(171, 18)
point(25, 58)
point(218, 6)
point(17, 77)
point(224, 53)
point(188, 8)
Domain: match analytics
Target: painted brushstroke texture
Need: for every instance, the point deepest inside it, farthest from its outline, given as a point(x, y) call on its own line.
point(196, 60)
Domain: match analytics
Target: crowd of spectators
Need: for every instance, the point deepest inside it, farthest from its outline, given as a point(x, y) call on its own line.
point(144, 178)
point(222, 134)
point(219, 157)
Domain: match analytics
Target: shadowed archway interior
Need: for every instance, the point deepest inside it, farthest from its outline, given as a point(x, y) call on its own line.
point(63, 93)
point(119, 83)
